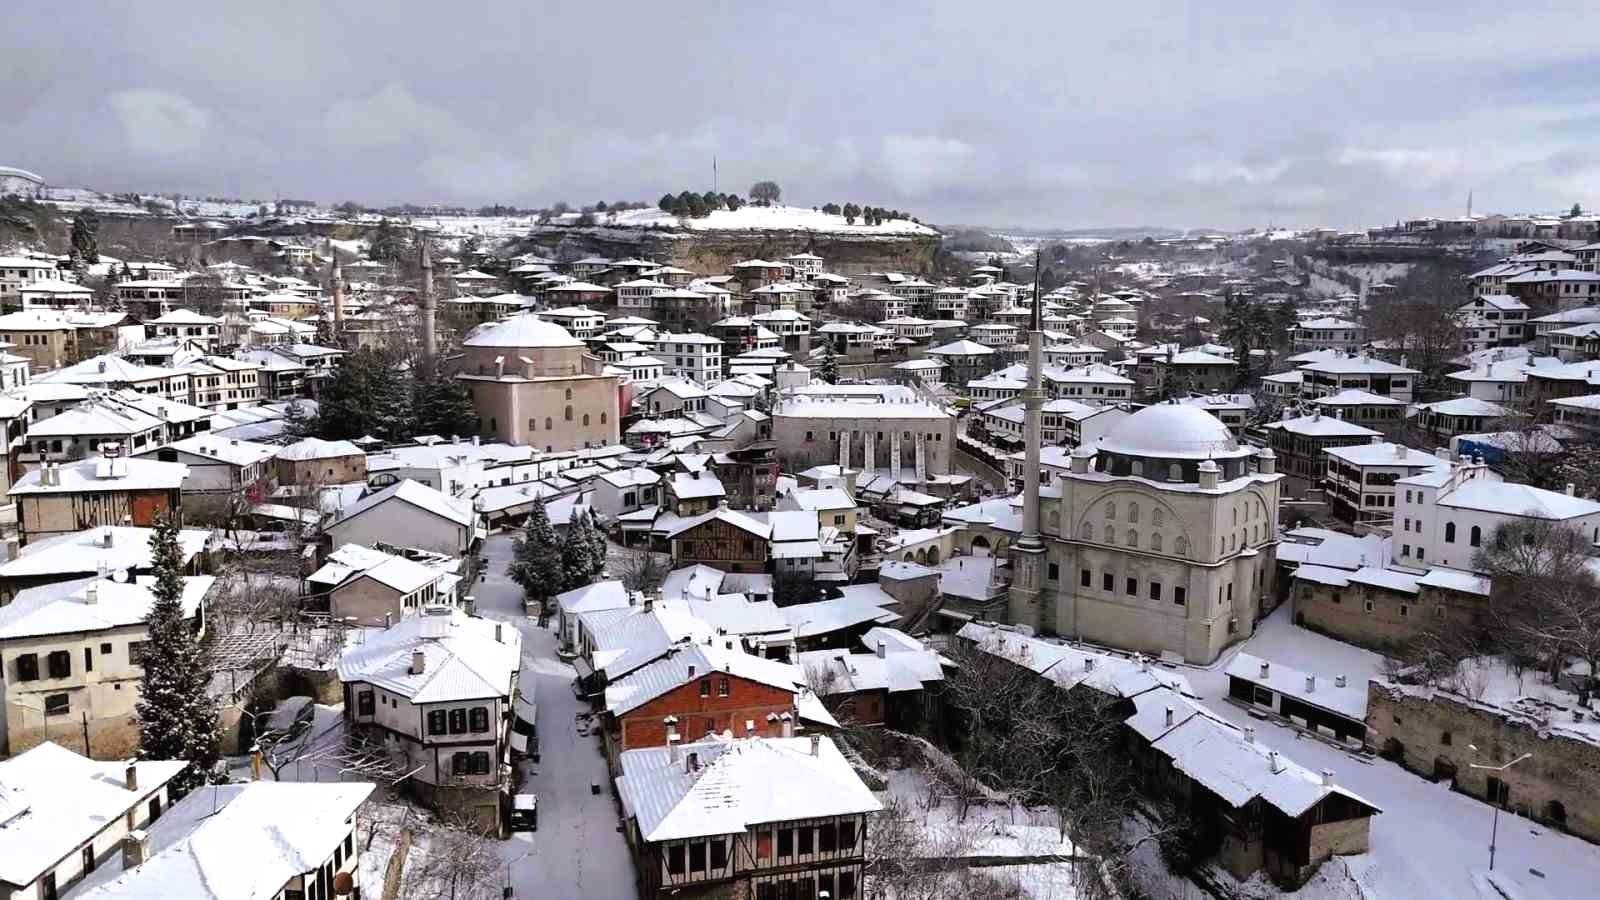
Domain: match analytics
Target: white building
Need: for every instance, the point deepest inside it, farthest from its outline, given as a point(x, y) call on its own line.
point(437, 689)
point(1493, 320)
point(1443, 515)
point(1329, 332)
point(696, 356)
point(410, 514)
point(62, 816)
point(1366, 373)
point(297, 837)
point(1361, 478)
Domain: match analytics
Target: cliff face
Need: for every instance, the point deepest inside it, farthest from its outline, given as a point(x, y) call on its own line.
point(714, 251)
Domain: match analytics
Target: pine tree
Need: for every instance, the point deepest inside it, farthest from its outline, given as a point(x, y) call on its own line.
point(536, 558)
point(577, 553)
point(441, 405)
point(176, 717)
point(84, 243)
point(828, 368)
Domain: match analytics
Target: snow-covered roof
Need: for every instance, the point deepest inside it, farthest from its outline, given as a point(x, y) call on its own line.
point(103, 474)
point(1171, 431)
point(1358, 365)
point(1311, 688)
point(355, 560)
point(1508, 498)
point(685, 663)
point(735, 784)
point(1318, 425)
point(1456, 580)
point(525, 330)
point(600, 595)
point(421, 496)
point(229, 450)
point(961, 348)
point(83, 551)
point(316, 448)
point(474, 659)
point(625, 638)
point(90, 604)
point(1335, 549)
point(866, 603)
point(1067, 666)
point(1384, 454)
point(1356, 397)
point(52, 801)
point(696, 486)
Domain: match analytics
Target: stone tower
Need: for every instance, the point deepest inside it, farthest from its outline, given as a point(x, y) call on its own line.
point(1028, 554)
point(430, 339)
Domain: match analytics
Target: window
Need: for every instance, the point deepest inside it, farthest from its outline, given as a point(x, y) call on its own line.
point(136, 652)
point(1475, 536)
point(1155, 542)
point(1180, 596)
point(1405, 610)
point(719, 853)
point(1230, 592)
point(60, 664)
point(722, 687)
point(1181, 547)
point(1449, 532)
point(1338, 597)
point(675, 859)
point(28, 667)
point(805, 841)
point(827, 838)
point(1111, 535)
point(705, 687)
point(785, 842)
point(105, 649)
point(478, 718)
point(364, 704)
point(1444, 738)
point(1111, 510)
point(1133, 587)
point(1108, 582)
point(437, 722)
point(1133, 512)
point(1405, 549)
point(847, 886)
point(697, 856)
point(1085, 578)
point(458, 721)
point(57, 704)
point(1369, 606)
point(1155, 590)
point(1053, 572)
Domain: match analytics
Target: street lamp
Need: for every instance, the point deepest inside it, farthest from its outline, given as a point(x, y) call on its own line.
point(1494, 832)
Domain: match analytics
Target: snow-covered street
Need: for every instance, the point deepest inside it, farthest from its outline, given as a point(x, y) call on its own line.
point(1429, 842)
point(578, 850)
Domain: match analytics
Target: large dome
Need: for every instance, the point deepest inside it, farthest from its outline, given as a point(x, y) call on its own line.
point(524, 330)
point(1171, 431)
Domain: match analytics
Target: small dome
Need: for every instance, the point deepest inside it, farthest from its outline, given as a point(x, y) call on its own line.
point(525, 330)
point(1171, 431)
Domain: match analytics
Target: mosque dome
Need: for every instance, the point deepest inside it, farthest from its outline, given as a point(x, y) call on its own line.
point(1171, 431)
point(525, 330)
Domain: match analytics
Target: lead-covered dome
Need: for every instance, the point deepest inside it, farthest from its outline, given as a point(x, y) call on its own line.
point(1171, 431)
point(524, 330)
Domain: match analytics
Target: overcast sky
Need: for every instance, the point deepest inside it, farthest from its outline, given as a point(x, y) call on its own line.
point(1044, 114)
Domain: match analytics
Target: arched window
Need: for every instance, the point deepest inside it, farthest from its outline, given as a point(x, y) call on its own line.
point(532, 425)
point(1111, 535)
point(548, 424)
point(602, 418)
point(586, 418)
point(1086, 532)
point(1175, 472)
point(1137, 467)
point(1449, 532)
point(1111, 510)
point(1181, 547)
point(1053, 520)
point(1133, 512)
point(568, 415)
point(1156, 517)
point(1133, 538)
point(1236, 515)
point(1155, 542)
point(569, 393)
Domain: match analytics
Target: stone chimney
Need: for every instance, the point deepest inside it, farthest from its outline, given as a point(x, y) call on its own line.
point(91, 596)
point(1249, 734)
point(1274, 762)
point(1266, 668)
point(1339, 681)
point(130, 776)
point(498, 639)
point(1571, 489)
point(1327, 778)
point(1169, 717)
point(883, 649)
point(1267, 462)
point(787, 719)
point(1311, 683)
point(135, 849)
point(816, 745)
point(419, 662)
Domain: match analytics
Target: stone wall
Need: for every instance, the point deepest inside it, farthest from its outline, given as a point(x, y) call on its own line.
point(1392, 619)
point(1429, 732)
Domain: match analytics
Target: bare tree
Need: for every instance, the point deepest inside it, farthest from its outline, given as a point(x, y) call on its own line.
point(1544, 600)
point(642, 570)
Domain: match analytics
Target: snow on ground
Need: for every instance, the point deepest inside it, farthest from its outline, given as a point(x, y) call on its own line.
point(578, 850)
point(1429, 841)
point(756, 218)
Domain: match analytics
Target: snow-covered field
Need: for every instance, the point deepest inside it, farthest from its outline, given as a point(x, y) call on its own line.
point(757, 218)
point(1429, 842)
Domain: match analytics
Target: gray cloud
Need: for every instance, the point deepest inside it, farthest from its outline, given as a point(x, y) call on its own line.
point(1043, 113)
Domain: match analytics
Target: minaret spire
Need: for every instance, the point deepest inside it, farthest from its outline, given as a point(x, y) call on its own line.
point(337, 277)
point(430, 341)
point(1028, 563)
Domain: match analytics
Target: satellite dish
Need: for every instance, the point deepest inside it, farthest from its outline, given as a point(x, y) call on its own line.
point(120, 576)
point(343, 884)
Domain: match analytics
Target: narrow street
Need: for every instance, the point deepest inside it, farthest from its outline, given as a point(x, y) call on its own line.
point(578, 850)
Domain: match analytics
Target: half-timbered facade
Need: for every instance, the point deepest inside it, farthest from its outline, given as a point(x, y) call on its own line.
point(723, 539)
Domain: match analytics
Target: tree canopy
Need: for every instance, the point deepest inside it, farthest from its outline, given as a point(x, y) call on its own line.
point(177, 718)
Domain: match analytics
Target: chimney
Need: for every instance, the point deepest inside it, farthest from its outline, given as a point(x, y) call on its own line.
point(419, 663)
point(691, 763)
point(1266, 668)
point(816, 745)
point(107, 539)
point(691, 670)
point(1571, 489)
point(135, 849)
point(387, 619)
point(91, 596)
point(1169, 717)
point(1311, 683)
point(1442, 453)
point(883, 649)
point(1088, 664)
point(130, 776)
point(1273, 762)
point(788, 724)
point(497, 636)
point(1249, 734)
point(1327, 778)
point(1339, 681)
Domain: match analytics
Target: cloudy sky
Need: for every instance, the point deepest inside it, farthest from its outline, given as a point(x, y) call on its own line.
point(1052, 113)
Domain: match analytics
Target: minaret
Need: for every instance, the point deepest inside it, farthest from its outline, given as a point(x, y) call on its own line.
point(337, 276)
point(430, 340)
point(1028, 552)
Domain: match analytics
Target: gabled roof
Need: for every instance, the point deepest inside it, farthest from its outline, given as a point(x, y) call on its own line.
point(67, 607)
point(419, 495)
point(467, 663)
point(97, 474)
point(739, 783)
point(355, 560)
point(686, 663)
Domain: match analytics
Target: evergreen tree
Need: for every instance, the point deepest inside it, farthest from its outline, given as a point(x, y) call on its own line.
point(536, 558)
point(667, 203)
point(441, 405)
point(598, 547)
point(368, 395)
point(176, 717)
point(84, 226)
point(298, 421)
point(578, 566)
point(828, 368)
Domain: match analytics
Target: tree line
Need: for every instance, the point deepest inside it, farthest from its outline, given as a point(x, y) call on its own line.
point(690, 205)
point(371, 393)
point(544, 563)
point(869, 215)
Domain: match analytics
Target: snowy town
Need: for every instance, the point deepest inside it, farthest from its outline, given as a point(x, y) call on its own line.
point(757, 541)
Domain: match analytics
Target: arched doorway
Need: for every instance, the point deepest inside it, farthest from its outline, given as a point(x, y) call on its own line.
point(980, 546)
point(922, 557)
point(908, 558)
point(933, 556)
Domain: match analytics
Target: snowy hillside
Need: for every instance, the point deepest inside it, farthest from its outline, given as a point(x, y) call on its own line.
point(755, 218)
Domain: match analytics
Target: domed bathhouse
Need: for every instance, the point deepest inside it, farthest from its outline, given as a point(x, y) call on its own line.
point(533, 383)
point(1160, 538)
